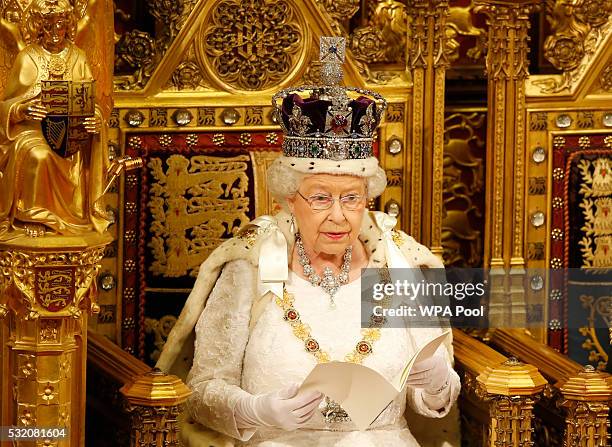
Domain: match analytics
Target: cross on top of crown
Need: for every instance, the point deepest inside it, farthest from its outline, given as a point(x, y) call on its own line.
point(332, 50)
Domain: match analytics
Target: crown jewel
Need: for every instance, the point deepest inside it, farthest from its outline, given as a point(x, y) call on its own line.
point(329, 121)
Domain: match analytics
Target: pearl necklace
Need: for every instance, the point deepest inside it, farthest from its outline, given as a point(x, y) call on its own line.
point(330, 282)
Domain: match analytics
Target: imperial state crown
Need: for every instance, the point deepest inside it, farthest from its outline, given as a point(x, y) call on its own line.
point(329, 121)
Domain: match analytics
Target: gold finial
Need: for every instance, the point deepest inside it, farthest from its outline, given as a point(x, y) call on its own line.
point(332, 53)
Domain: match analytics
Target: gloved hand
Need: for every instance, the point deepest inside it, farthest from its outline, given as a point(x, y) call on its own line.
point(286, 408)
point(431, 374)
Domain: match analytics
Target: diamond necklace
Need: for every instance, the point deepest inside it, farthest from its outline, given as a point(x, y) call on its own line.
point(330, 283)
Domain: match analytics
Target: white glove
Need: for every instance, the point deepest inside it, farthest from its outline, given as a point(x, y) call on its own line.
point(286, 408)
point(432, 375)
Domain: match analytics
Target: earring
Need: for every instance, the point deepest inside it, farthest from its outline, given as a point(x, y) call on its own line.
point(292, 225)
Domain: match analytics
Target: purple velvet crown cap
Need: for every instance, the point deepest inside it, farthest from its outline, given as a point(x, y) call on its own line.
point(316, 111)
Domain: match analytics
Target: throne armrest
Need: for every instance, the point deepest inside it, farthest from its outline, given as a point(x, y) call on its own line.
point(141, 405)
point(497, 395)
point(576, 408)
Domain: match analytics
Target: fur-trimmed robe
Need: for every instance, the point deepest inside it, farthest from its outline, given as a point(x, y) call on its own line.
point(178, 350)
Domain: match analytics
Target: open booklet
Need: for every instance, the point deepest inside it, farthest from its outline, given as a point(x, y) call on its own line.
point(362, 392)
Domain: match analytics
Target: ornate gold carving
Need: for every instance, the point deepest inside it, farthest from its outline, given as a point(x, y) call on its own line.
point(606, 79)
point(383, 39)
point(519, 174)
point(187, 76)
point(194, 203)
point(512, 390)
point(506, 71)
point(42, 195)
point(155, 402)
point(438, 160)
point(417, 142)
point(462, 242)
point(206, 116)
point(158, 118)
point(251, 45)
point(49, 288)
point(340, 10)
point(596, 205)
point(394, 177)
point(460, 23)
point(473, 430)
point(49, 330)
point(578, 28)
point(427, 59)
point(584, 120)
point(395, 113)
point(537, 186)
point(513, 419)
point(571, 23)
point(472, 386)
point(427, 33)
point(507, 21)
point(107, 314)
point(54, 287)
point(254, 116)
point(138, 53)
point(564, 49)
point(538, 121)
point(171, 15)
point(586, 400)
point(535, 251)
point(312, 75)
point(264, 202)
point(44, 279)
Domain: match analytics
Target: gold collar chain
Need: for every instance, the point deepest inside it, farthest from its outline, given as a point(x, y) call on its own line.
point(332, 412)
point(301, 330)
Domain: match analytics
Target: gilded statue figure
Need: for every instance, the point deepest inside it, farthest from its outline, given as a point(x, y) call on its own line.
point(43, 190)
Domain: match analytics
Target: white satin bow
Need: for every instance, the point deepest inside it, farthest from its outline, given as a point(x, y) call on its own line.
point(386, 223)
point(273, 263)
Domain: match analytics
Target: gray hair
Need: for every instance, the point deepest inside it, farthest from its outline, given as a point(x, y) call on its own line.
point(284, 181)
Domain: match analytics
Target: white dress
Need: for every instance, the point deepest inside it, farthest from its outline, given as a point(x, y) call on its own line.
point(231, 360)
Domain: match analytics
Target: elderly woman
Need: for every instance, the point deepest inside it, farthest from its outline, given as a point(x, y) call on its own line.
point(285, 294)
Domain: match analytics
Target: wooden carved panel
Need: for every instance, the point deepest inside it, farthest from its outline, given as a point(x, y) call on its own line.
point(463, 195)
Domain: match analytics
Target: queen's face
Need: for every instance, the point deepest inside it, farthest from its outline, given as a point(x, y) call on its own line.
point(329, 231)
point(55, 28)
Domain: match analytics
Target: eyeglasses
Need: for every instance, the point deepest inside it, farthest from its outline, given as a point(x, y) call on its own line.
point(322, 202)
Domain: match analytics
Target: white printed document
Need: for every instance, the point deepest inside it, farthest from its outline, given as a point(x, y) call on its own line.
point(362, 392)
